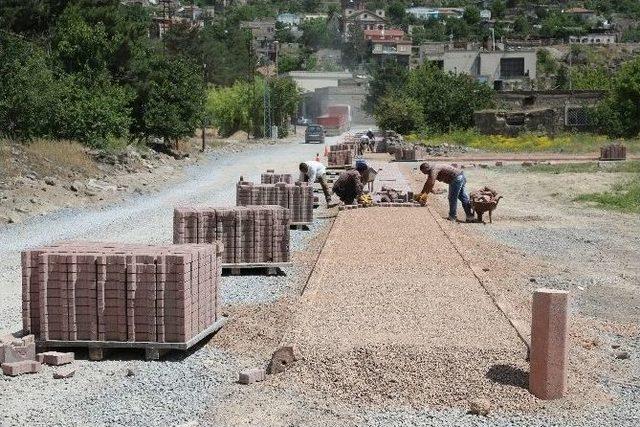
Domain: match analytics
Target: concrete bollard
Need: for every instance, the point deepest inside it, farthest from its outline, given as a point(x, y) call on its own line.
point(549, 344)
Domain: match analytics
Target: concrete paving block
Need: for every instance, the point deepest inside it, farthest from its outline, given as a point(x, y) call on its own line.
point(549, 344)
point(64, 373)
point(19, 368)
point(55, 358)
point(250, 376)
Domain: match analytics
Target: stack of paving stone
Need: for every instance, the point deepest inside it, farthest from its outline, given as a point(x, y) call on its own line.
point(613, 152)
point(410, 154)
point(339, 158)
point(298, 198)
point(250, 234)
point(120, 292)
point(270, 177)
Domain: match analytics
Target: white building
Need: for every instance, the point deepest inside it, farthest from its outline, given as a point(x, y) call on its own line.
point(594, 39)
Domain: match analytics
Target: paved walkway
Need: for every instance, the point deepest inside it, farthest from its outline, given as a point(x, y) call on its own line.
point(390, 275)
point(393, 312)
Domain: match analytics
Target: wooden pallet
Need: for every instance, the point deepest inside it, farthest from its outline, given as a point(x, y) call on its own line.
point(408, 161)
point(152, 350)
point(272, 268)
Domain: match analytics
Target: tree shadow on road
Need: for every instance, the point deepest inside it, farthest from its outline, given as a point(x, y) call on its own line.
point(508, 375)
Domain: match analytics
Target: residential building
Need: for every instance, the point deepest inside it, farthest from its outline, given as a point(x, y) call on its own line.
point(290, 20)
point(586, 15)
point(534, 111)
point(263, 33)
point(502, 69)
point(390, 44)
point(356, 15)
point(435, 12)
point(595, 38)
point(311, 16)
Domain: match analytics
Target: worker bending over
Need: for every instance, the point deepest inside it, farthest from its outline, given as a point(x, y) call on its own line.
point(456, 180)
point(312, 172)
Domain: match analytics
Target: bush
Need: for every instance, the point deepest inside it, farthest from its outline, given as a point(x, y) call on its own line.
point(170, 99)
point(91, 112)
point(619, 114)
point(27, 91)
point(241, 106)
point(447, 100)
point(401, 114)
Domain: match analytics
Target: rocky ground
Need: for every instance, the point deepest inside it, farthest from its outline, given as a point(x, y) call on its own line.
point(45, 176)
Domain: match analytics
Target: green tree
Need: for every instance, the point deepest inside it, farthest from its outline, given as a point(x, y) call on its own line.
point(28, 89)
point(396, 12)
point(448, 101)
point(316, 34)
point(545, 62)
point(387, 79)
point(498, 8)
point(91, 110)
point(80, 46)
point(522, 26)
point(170, 99)
point(402, 114)
point(619, 113)
point(356, 49)
point(471, 15)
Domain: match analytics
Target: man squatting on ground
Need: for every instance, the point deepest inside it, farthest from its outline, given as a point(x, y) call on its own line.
point(456, 180)
point(312, 172)
point(350, 184)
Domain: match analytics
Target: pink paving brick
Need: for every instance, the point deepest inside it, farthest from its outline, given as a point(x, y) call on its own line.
point(119, 292)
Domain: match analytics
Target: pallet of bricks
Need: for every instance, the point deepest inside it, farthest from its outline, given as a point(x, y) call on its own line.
point(340, 158)
point(253, 236)
point(613, 152)
point(298, 198)
point(100, 295)
point(270, 177)
point(409, 154)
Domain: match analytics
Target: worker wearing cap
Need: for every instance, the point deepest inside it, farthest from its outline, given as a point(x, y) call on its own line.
point(313, 171)
point(456, 180)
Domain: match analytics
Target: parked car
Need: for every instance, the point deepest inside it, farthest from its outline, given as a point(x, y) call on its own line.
point(314, 133)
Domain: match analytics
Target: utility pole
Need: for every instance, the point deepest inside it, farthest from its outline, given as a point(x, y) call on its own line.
point(570, 64)
point(204, 116)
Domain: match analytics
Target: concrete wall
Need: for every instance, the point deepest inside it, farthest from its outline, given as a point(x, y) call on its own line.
point(511, 123)
point(310, 81)
point(490, 63)
point(316, 103)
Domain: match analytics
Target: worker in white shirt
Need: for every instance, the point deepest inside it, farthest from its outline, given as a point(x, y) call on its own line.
point(313, 171)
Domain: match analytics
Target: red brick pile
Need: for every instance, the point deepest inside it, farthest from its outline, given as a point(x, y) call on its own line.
point(251, 234)
point(120, 292)
point(298, 198)
point(340, 158)
point(270, 177)
point(408, 154)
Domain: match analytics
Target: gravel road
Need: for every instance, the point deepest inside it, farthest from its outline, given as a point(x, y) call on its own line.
point(176, 389)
